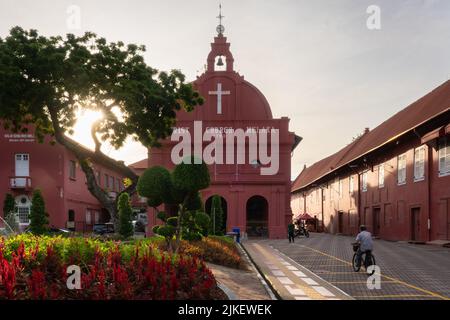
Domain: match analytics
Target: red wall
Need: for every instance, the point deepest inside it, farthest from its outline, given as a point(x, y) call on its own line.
point(395, 202)
point(49, 171)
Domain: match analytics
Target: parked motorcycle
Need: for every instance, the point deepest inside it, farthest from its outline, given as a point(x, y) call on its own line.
point(302, 231)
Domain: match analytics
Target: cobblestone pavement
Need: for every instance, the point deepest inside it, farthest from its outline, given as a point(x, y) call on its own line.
point(407, 271)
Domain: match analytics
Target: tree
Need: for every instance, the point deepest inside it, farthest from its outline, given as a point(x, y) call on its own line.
point(38, 215)
point(125, 215)
point(180, 188)
point(216, 215)
point(45, 81)
point(9, 206)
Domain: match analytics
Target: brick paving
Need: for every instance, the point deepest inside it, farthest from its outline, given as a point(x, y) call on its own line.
point(290, 280)
point(407, 271)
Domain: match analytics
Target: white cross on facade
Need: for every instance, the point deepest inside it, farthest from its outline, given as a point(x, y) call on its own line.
point(219, 94)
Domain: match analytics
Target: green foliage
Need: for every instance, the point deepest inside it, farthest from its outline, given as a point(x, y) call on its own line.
point(195, 225)
point(194, 202)
point(38, 215)
point(162, 216)
point(61, 75)
point(167, 231)
point(8, 205)
point(190, 176)
point(125, 215)
point(173, 221)
point(203, 222)
point(155, 184)
point(216, 215)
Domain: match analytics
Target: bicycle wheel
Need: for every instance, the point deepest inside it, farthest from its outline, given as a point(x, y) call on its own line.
point(307, 234)
point(355, 266)
point(370, 262)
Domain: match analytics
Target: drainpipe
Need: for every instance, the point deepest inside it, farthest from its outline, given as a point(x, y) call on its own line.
point(428, 181)
point(304, 202)
point(359, 199)
point(323, 217)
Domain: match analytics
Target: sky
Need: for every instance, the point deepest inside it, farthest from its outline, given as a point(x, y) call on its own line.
point(317, 62)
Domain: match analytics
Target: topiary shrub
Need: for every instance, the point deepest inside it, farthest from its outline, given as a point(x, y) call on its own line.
point(181, 188)
point(38, 215)
point(125, 215)
point(155, 184)
point(216, 216)
point(190, 176)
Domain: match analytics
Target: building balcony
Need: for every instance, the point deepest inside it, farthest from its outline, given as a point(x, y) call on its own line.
point(20, 183)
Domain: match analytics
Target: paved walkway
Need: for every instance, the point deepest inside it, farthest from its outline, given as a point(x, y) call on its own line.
point(407, 271)
point(243, 284)
point(288, 278)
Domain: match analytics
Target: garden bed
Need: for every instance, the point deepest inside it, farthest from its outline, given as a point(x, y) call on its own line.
point(36, 268)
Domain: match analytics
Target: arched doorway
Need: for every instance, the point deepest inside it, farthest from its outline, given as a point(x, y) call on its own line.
point(257, 217)
point(209, 210)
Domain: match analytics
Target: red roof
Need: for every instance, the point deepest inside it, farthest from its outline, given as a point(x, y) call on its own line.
point(142, 164)
point(431, 105)
point(304, 216)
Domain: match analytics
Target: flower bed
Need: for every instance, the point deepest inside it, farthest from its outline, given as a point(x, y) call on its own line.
point(36, 268)
point(213, 249)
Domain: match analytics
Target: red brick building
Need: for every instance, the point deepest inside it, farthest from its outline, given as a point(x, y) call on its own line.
point(395, 178)
point(26, 165)
point(257, 204)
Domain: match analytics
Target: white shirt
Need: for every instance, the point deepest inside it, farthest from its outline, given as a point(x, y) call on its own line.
point(365, 239)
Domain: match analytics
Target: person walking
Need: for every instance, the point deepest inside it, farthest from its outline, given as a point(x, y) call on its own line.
point(291, 229)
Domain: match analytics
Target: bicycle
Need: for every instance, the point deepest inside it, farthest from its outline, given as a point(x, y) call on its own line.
point(367, 257)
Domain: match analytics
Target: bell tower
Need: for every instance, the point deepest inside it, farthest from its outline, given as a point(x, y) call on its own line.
point(220, 48)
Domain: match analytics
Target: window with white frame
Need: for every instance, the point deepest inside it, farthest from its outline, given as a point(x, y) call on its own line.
point(381, 175)
point(23, 214)
point(351, 187)
point(97, 216)
point(401, 169)
point(419, 163)
point(364, 181)
point(72, 169)
point(341, 187)
point(444, 157)
point(88, 217)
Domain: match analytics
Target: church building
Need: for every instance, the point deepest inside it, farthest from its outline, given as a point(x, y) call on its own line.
point(253, 183)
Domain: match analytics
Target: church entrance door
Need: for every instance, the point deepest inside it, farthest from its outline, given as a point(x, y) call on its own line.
point(257, 217)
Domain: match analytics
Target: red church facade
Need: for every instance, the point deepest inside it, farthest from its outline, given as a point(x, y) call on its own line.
point(256, 203)
point(26, 165)
point(395, 179)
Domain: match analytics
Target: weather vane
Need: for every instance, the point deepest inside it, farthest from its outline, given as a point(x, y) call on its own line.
point(220, 28)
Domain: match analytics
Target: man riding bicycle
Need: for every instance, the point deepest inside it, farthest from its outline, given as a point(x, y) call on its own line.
point(364, 239)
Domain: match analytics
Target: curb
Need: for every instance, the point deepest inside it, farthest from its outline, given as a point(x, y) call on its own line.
point(229, 293)
point(273, 293)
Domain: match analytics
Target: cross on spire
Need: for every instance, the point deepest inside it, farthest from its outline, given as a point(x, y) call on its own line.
point(220, 28)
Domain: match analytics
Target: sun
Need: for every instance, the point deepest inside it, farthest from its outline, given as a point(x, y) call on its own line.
point(82, 128)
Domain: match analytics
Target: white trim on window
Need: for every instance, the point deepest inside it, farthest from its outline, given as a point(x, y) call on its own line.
point(419, 164)
point(401, 169)
point(444, 157)
point(364, 181)
point(381, 176)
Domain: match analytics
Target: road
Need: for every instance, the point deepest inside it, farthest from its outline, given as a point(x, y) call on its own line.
point(407, 271)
